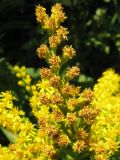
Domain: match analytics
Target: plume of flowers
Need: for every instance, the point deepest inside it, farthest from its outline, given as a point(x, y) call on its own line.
point(64, 113)
point(105, 132)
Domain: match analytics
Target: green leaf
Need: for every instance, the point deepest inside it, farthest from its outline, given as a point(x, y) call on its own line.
point(107, 49)
point(33, 72)
point(85, 81)
point(9, 135)
point(83, 78)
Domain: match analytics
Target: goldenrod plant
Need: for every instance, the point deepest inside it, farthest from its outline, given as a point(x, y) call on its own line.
point(71, 124)
point(105, 132)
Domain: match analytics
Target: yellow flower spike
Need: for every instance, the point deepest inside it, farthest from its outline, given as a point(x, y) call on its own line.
point(24, 79)
point(20, 72)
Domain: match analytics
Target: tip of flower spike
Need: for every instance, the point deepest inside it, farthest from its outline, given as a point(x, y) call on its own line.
point(56, 8)
point(57, 13)
point(53, 22)
point(40, 13)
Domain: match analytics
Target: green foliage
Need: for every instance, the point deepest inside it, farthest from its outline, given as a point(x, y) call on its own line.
point(7, 79)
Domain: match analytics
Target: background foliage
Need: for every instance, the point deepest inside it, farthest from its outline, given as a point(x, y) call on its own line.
point(94, 32)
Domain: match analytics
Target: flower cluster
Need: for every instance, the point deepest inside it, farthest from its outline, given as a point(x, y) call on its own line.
point(24, 79)
point(105, 132)
point(10, 115)
point(22, 131)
